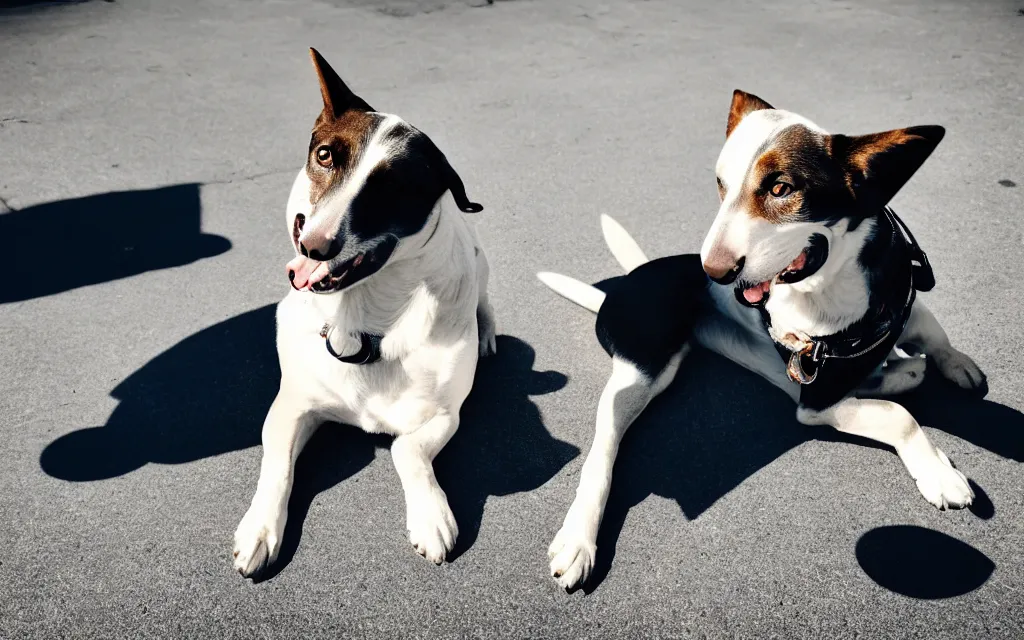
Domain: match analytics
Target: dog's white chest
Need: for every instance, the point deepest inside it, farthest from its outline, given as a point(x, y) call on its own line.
point(392, 396)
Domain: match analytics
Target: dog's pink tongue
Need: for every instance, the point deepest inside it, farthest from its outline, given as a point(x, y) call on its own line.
point(754, 294)
point(304, 272)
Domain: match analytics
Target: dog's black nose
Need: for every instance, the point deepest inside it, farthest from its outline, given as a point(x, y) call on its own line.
point(724, 271)
point(323, 252)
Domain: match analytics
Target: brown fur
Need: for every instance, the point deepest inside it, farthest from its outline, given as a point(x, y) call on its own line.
point(345, 135)
point(345, 125)
point(742, 104)
point(877, 165)
point(797, 156)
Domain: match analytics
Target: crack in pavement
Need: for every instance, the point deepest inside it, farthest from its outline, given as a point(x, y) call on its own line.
point(6, 121)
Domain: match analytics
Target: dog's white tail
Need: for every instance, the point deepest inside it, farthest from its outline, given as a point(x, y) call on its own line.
point(623, 246)
point(581, 293)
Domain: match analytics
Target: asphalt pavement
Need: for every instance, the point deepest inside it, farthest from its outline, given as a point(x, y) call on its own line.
point(146, 152)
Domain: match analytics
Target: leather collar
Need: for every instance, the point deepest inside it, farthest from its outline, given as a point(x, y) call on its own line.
point(369, 348)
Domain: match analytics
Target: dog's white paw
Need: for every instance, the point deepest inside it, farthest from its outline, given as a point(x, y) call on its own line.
point(572, 555)
point(942, 485)
point(431, 524)
point(257, 541)
point(959, 368)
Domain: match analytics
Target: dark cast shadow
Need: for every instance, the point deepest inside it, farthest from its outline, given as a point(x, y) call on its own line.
point(209, 394)
point(922, 563)
point(63, 245)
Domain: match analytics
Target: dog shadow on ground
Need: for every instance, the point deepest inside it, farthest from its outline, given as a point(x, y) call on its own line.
point(702, 437)
point(209, 394)
point(63, 245)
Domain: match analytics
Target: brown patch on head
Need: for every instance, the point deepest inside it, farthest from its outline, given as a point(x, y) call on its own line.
point(877, 165)
point(340, 133)
point(345, 138)
point(742, 104)
point(782, 180)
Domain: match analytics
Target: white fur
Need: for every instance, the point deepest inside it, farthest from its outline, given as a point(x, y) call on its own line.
point(429, 301)
point(767, 247)
point(736, 332)
point(622, 245)
point(831, 299)
point(581, 293)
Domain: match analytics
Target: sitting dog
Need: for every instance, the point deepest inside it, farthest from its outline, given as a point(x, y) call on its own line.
point(806, 277)
point(386, 319)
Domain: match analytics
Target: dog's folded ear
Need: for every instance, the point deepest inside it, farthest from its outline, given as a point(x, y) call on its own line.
point(743, 103)
point(879, 164)
point(454, 184)
point(338, 98)
point(450, 180)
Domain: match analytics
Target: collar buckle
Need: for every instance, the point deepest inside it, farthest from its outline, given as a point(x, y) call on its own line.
point(815, 350)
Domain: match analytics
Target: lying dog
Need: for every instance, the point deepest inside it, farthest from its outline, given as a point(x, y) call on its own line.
point(813, 287)
point(387, 317)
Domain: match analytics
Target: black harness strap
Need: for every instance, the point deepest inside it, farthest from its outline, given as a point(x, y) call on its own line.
point(369, 350)
point(868, 339)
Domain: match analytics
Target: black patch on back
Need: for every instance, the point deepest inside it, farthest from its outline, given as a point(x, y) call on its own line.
point(649, 314)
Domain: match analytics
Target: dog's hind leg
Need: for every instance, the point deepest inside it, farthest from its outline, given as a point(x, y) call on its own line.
point(891, 424)
point(627, 393)
point(485, 323)
point(924, 332)
point(432, 527)
point(285, 431)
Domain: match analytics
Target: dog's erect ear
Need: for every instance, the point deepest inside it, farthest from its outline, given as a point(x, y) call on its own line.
point(338, 98)
point(879, 164)
point(742, 104)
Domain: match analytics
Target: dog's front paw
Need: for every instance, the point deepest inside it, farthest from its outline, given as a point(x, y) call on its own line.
point(942, 485)
point(431, 524)
point(959, 368)
point(572, 555)
point(257, 542)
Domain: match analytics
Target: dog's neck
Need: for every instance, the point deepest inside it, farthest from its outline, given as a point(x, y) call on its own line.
point(414, 295)
point(834, 298)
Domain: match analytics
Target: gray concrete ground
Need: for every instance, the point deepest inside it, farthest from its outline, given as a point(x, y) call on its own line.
point(146, 149)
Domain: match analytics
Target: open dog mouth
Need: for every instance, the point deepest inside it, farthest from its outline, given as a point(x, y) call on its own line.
point(307, 274)
point(803, 266)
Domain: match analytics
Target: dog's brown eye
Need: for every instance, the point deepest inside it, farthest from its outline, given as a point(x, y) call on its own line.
point(323, 157)
point(781, 189)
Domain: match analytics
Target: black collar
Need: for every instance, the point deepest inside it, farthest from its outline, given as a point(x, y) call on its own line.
point(876, 330)
point(369, 349)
